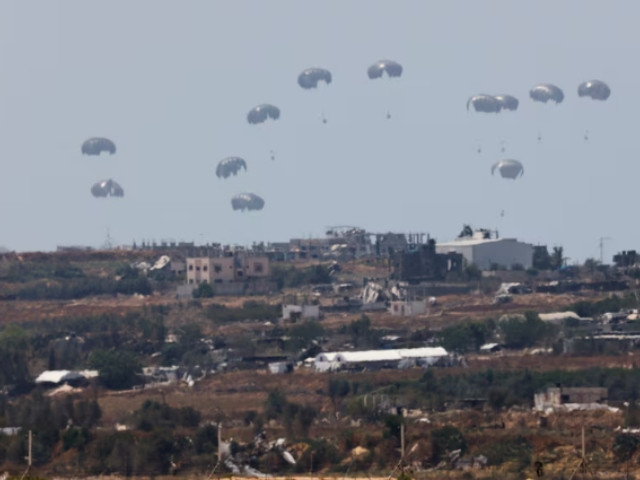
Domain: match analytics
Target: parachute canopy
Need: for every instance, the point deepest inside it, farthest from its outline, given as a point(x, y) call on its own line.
point(596, 89)
point(508, 168)
point(484, 103)
point(262, 112)
point(230, 166)
point(546, 92)
point(393, 69)
point(97, 145)
point(507, 102)
point(107, 188)
point(310, 77)
point(247, 201)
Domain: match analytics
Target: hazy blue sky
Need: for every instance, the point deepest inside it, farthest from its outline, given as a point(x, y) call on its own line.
point(171, 82)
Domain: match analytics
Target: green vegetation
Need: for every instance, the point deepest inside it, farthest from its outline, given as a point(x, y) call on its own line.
point(117, 369)
point(291, 277)
point(466, 337)
point(526, 332)
point(362, 334)
point(251, 310)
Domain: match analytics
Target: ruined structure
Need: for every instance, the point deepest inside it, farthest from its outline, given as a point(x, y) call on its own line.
point(424, 264)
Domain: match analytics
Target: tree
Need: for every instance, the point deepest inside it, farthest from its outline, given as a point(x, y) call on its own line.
point(362, 335)
point(464, 338)
point(591, 265)
point(541, 258)
point(557, 258)
point(116, 369)
point(14, 345)
point(338, 389)
point(525, 332)
point(303, 334)
point(204, 290)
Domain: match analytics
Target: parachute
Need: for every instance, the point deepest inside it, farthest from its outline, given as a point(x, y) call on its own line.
point(97, 145)
point(545, 92)
point(310, 77)
point(262, 112)
point(393, 69)
point(107, 188)
point(247, 201)
point(230, 166)
point(484, 103)
point(507, 102)
point(508, 168)
point(596, 89)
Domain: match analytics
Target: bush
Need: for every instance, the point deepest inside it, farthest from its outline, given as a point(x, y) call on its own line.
point(516, 450)
point(75, 438)
point(445, 440)
point(624, 446)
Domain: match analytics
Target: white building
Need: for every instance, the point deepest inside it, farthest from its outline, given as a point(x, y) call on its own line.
point(407, 308)
point(330, 361)
point(295, 312)
point(485, 252)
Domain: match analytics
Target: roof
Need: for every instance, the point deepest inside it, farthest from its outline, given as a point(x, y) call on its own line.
point(59, 376)
point(381, 355)
point(470, 242)
point(558, 316)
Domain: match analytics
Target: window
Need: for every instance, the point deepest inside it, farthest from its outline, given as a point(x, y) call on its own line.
point(190, 267)
point(191, 280)
point(258, 268)
point(198, 268)
point(217, 268)
point(204, 268)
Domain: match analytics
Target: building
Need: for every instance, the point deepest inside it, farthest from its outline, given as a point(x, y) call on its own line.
point(236, 267)
point(393, 358)
point(292, 312)
point(486, 251)
point(558, 397)
point(407, 308)
point(424, 264)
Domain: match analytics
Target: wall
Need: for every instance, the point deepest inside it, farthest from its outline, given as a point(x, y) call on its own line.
point(408, 308)
point(505, 252)
point(304, 311)
point(198, 270)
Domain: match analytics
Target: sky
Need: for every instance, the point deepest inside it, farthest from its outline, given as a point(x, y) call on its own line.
point(171, 82)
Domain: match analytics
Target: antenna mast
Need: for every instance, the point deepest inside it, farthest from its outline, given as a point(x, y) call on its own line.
point(601, 245)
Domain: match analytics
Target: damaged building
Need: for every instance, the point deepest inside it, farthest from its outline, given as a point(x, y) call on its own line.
point(424, 264)
point(233, 273)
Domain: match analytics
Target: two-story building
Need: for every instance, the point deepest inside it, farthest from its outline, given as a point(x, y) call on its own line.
point(236, 267)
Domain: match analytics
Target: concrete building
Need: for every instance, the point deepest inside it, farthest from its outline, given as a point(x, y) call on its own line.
point(424, 264)
point(237, 267)
point(407, 308)
point(556, 397)
point(296, 312)
point(485, 252)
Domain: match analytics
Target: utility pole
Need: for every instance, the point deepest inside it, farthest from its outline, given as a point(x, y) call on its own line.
point(29, 455)
point(583, 467)
point(601, 244)
point(219, 441)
